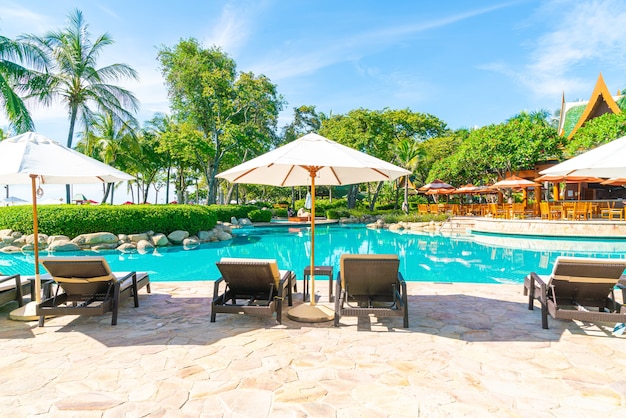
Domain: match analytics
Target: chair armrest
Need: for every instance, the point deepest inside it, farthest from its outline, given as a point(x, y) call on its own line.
point(15, 277)
point(216, 288)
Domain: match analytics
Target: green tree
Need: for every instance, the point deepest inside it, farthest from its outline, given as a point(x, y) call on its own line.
point(73, 77)
point(234, 113)
point(408, 153)
point(377, 133)
point(112, 143)
point(499, 150)
point(596, 132)
point(18, 62)
point(305, 120)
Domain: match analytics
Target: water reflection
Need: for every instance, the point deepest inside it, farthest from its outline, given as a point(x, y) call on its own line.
point(424, 257)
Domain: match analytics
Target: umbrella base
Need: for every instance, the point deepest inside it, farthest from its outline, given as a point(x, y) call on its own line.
point(25, 313)
point(311, 313)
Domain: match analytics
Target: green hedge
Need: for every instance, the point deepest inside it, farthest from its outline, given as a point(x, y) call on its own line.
point(72, 220)
point(225, 212)
point(260, 215)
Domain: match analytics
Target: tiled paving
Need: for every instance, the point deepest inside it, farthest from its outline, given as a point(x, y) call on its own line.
point(471, 350)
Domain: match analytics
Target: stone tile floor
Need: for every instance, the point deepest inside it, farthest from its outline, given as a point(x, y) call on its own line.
point(471, 350)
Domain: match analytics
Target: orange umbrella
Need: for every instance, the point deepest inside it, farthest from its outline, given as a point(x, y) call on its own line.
point(514, 182)
point(568, 179)
point(435, 185)
point(615, 181)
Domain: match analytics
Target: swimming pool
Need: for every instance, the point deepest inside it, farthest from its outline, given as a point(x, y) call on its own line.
point(474, 258)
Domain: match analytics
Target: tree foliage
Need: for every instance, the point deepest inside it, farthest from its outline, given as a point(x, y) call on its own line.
point(234, 114)
point(595, 132)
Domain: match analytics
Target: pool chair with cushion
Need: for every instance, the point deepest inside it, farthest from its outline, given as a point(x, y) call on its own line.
point(578, 288)
point(251, 286)
point(12, 288)
point(370, 284)
point(87, 286)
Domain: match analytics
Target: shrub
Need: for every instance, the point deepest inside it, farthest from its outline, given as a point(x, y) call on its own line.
point(260, 215)
point(72, 220)
point(225, 212)
point(281, 213)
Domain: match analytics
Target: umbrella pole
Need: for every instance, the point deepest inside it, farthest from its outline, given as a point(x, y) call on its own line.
point(28, 312)
point(312, 312)
point(312, 239)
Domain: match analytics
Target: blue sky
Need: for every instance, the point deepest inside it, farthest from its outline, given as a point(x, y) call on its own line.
point(470, 63)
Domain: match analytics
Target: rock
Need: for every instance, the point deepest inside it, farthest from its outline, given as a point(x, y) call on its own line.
point(122, 238)
point(42, 238)
point(101, 247)
point(223, 236)
point(159, 240)
point(127, 248)
point(191, 243)
point(57, 238)
point(144, 246)
point(177, 237)
point(95, 239)
point(233, 221)
point(11, 249)
point(204, 236)
point(138, 237)
point(62, 246)
point(396, 227)
point(245, 222)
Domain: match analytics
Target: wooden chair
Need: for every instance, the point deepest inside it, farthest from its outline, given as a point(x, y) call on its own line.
point(87, 286)
point(252, 286)
point(370, 284)
point(575, 285)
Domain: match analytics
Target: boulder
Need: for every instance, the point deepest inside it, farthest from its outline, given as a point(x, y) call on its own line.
point(127, 248)
point(62, 246)
point(57, 238)
point(223, 236)
point(138, 237)
point(96, 239)
point(204, 236)
point(11, 249)
point(102, 247)
point(245, 222)
point(5, 232)
point(177, 237)
point(42, 238)
point(144, 246)
point(159, 240)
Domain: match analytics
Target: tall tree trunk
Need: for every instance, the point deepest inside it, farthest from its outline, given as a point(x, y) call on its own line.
point(70, 137)
point(374, 197)
point(353, 192)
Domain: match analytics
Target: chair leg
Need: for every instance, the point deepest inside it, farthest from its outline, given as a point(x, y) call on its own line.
point(544, 306)
point(115, 303)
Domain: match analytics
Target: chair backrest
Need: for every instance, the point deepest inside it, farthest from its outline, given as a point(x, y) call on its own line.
point(585, 278)
point(369, 274)
point(80, 275)
point(249, 275)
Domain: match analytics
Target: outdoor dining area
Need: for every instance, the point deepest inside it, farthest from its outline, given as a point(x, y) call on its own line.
point(588, 186)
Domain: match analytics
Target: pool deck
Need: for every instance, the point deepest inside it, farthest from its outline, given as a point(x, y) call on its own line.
point(471, 350)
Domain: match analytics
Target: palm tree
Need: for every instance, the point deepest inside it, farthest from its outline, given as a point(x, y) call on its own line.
point(107, 142)
point(15, 79)
point(408, 153)
point(75, 80)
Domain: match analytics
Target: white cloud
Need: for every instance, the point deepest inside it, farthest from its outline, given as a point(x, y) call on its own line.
point(234, 26)
point(584, 33)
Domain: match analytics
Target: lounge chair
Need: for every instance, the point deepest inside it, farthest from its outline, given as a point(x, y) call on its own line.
point(578, 288)
point(252, 286)
point(371, 285)
point(12, 288)
point(87, 286)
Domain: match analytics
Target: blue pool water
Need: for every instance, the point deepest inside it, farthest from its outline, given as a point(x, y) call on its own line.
point(478, 258)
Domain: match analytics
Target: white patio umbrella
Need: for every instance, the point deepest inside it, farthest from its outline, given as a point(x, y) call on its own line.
point(607, 161)
point(307, 161)
point(33, 159)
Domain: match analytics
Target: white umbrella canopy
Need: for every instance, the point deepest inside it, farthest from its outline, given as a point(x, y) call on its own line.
point(307, 161)
point(333, 164)
point(51, 162)
point(30, 158)
point(608, 161)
